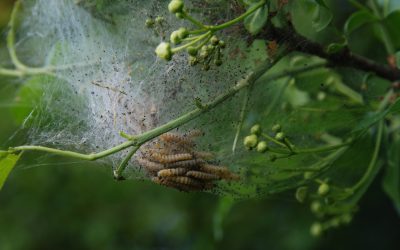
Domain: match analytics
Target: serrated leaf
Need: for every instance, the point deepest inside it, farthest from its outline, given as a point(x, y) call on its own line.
point(358, 19)
point(7, 163)
point(256, 21)
point(322, 17)
point(391, 180)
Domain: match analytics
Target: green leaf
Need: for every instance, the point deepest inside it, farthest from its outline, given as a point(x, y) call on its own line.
point(391, 23)
point(322, 16)
point(397, 56)
point(224, 207)
point(28, 96)
point(7, 163)
point(335, 47)
point(358, 19)
point(256, 21)
point(391, 180)
point(372, 118)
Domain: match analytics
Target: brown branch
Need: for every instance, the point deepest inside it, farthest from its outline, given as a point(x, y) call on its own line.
point(343, 58)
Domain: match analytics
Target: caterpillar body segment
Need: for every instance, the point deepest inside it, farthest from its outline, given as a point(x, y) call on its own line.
point(171, 172)
point(162, 158)
point(202, 176)
point(186, 164)
point(149, 165)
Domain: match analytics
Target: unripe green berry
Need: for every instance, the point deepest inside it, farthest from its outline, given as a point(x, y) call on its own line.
point(256, 129)
point(316, 229)
point(301, 194)
point(163, 51)
point(262, 147)
point(183, 33)
point(218, 62)
point(214, 40)
point(250, 141)
point(175, 39)
point(210, 47)
point(221, 44)
point(175, 6)
point(149, 23)
point(276, 128)
point(316, 207)
point(323, 189)
point(192, 51)
point(321, 96)
point(280, 136)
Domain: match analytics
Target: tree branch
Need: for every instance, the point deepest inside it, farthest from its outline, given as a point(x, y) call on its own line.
point(343, 58)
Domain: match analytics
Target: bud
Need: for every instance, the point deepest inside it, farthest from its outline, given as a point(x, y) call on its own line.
point(214, 40)
point(182, 33)
point(149, 23)
point(221, 44)
point(262, 147)
point(316, 229)
point(301, 194)
point(193, 60)
point(250, 141)
point(280, 136)
point(308, 175)
point(206, 67)
point(163, 51)
point(323, 189)
point(218, 62)
point(316, 207)
point(159, 19)
point(256, 129)
point(175, 6)
point(180, 15)
point(276, 128)
point(175, 39)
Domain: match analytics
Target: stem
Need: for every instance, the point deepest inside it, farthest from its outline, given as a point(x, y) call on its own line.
point(373, 161)
point(88, 157)
point(358, 5)
point(11, 38)
point(320, 149)
point(193, 20)
point(273, 140)
point(11, 72)
point(118, 172)
point(239, 18)
point(205, 35)
point(241, 118)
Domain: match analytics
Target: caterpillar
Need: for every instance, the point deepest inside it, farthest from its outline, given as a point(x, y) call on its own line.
point(186, 164)
point(162, 158)
point(149, 165)
point(202, 176)
point(171, 172)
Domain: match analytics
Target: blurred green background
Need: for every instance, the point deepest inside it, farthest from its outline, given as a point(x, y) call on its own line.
point(81, 207)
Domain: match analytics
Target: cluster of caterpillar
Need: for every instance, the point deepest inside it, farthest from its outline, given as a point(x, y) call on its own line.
point(172, 160)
